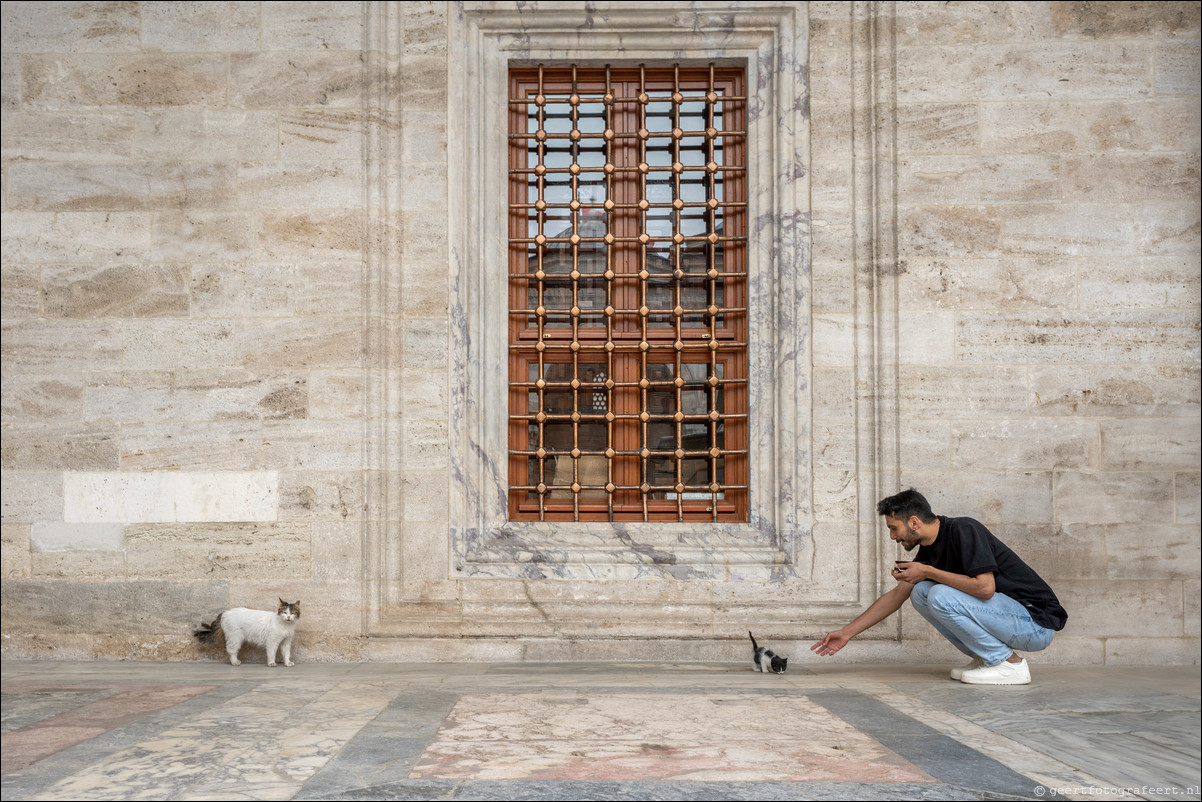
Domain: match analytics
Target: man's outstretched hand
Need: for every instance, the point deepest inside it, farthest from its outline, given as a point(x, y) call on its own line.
point(833, 642)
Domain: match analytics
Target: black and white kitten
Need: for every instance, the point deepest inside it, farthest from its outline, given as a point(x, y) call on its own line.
point(258, 627)
point(765, 659)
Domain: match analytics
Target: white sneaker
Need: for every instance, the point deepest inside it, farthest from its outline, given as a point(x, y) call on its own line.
point(958, 671)
point(1004, 673)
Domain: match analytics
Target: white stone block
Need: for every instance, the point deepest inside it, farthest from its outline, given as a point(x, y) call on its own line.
point(170, 497)
point(111, 497)
point(224, 496)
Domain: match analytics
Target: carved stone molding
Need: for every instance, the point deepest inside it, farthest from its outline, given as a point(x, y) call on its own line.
point(770, 40)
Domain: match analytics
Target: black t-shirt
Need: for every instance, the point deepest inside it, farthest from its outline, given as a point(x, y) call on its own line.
point(965, 546)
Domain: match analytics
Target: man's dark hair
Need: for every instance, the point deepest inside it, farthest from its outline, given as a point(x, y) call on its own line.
point(904, 504)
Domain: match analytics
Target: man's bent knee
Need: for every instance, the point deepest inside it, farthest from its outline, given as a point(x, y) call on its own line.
point(944, 599)
point(920, 595)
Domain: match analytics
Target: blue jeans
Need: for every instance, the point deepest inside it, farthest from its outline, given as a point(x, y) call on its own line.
point(990, 630)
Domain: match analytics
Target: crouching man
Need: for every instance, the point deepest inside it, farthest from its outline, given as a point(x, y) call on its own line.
point(972, 588)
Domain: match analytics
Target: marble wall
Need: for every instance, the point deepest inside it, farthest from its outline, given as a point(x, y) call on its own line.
point(241, 353)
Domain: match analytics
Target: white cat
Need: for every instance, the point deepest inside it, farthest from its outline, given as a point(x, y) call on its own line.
point(258, 627)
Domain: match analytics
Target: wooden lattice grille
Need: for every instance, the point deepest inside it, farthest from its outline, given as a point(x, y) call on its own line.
point(628, 309)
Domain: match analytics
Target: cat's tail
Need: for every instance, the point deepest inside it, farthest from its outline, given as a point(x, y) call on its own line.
point(753, 646)
point(210, 633)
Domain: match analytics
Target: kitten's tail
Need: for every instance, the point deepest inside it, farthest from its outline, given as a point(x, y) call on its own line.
point(209, 633)
point(753, 646)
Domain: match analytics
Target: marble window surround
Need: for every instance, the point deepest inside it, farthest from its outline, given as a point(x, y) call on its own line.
point(770, 41)
point(457, 579)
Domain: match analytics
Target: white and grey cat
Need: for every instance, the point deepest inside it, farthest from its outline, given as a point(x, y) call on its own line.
point(258, 627)
point(766, 660)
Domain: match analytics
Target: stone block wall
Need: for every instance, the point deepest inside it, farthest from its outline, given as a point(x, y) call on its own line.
point(1048, 294)
point(183, 354)
point(227, 351)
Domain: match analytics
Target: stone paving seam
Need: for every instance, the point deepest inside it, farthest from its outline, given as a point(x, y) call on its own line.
point(32, 780)
point(239, 743)
point(385, 749)
point(1019, 757)
point(652, 791)
point(944, 758)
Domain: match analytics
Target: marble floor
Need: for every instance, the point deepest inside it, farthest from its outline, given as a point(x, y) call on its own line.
point(593, 731)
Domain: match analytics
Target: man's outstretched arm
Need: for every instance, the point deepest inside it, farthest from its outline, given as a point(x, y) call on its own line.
point(878, 611)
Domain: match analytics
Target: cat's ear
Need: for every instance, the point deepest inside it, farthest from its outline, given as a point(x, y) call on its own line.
point(282, 602)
